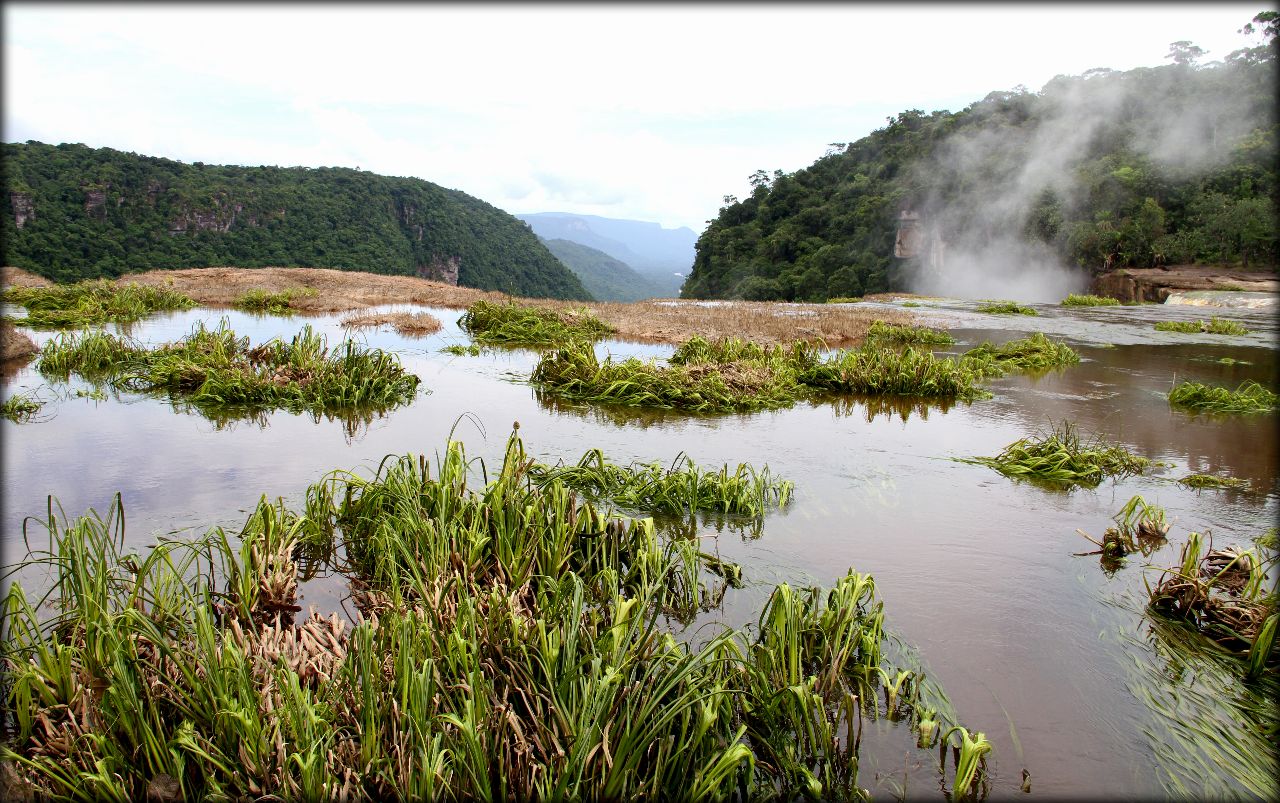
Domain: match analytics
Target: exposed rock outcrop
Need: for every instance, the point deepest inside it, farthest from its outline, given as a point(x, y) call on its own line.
point(1133, 285)
point(23, 210)
point(441, 270)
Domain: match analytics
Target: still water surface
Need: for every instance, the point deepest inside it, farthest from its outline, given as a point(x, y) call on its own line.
point(1043, 651)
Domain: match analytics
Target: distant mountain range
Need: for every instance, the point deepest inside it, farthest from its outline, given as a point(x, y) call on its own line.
point(71, 212)
point(664, 256)
point(606, 278)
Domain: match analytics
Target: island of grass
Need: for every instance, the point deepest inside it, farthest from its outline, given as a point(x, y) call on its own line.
point(507, 638)
point(511, 324)
point(1006, 308)
point(1061, 458)
point(268, 302)
point(94, 302)
point(1201, 481)
point(1213, 326)
point(213, 371)
point(1034, 354)
point(1248, 397)
point(1074, 300)
point(913, 335)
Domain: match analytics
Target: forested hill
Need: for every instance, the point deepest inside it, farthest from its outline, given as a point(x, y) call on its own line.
point(606, 278)
point(1165, 165)
point(73, 212)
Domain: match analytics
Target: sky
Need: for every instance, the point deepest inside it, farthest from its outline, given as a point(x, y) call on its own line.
point(641, 111)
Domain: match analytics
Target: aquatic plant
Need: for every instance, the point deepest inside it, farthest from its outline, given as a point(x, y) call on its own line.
point(1212, 481)
point(682, 488)
point(916, 335)
point(213, 369)
point(1214, 326)
point(844, 300)
point(1248, 397)
point(1006, 308)
point(507, 647)
point(1139, 526)
point(1074, 300)
point(522, 325)
point(874, 371)
point(459, 350)
point(1061, 457)
point(1033, 353)
point(93, 302)
point(911, 304)
point(1222, 594)
point(20, 408)
point(272, 302)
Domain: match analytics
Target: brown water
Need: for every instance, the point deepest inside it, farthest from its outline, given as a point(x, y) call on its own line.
point(1043, 651)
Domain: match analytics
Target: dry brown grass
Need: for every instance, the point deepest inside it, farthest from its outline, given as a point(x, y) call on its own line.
point(14, 345)
point(654, 321)
point(410, 324)
point(21, 278)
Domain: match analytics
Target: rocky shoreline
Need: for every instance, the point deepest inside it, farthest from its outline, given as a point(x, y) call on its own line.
point(1133, 285)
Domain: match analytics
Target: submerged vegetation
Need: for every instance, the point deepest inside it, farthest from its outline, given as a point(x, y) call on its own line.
point(274, 303)
point(21, 408)
point(1211, 481)
point(1213, 326)
point(1074, 300)
point(508, 646)
point(1248, 397)
point(1061, 457)
point(1140, 526)
point(514, 324)
point(89, 303)
point(212, 370)
point(1006, 308)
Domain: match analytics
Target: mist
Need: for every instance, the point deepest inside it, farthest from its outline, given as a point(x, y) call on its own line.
point(978, 194)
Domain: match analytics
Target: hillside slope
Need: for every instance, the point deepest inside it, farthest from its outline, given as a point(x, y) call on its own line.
point(72, 212)
point(661, 255)
point(1022, 194)
point(606, 278)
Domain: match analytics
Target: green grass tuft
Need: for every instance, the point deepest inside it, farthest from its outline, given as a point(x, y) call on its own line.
point(272, 303)
point(1210, 481)
point(513, 324)
point(1006, 308)
point(1249, 397)
point(1060, 457)
point(1074, 300)
point(845, 300)
point(459, 350)
point(1214, 326)
point(914, 335)
point(21, 408)
point(91, 303)
point(1034, 353)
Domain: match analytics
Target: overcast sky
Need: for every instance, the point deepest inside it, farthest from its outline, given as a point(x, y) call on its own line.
point(648, 112)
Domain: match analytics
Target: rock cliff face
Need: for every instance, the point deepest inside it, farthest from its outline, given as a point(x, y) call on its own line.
point(441, 270)
point(23, 210)
point(1134, 285)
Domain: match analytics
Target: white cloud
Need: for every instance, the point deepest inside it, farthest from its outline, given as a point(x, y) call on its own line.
point(651, 112)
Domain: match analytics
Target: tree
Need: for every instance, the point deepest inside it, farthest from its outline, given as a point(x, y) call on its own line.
point(1183, 52)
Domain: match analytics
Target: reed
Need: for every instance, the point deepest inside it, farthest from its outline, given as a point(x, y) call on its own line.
point(508, 647)
point(1035, 353)
point(21, 408)
point(912, 335)
point(1061, 457)
point(1074, 300)
point(1200, 481)
point(1213, 326)
point(1248, 397)
point(514, 324)
point(213, 370)
point(93, 302)
point(272, 302)
point(1006, 308)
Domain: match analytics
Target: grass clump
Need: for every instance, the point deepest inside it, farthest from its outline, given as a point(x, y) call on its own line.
point(1223, 594)
point(1075, 300)
point(272, 302)
point(1140, 526)
point(1006, 308)
point(682, 488)
point(1213, 326)
point(513, 324)
point(913, 335)
point(1200, 481)
point(508, 640)
point(92, 302)
point(1061, 457)
point(213, 370)
point(1248, 397)
point(459, 350)
point(732, 375)
point(1035, 353)
point(21, 408)
point(845, 300)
